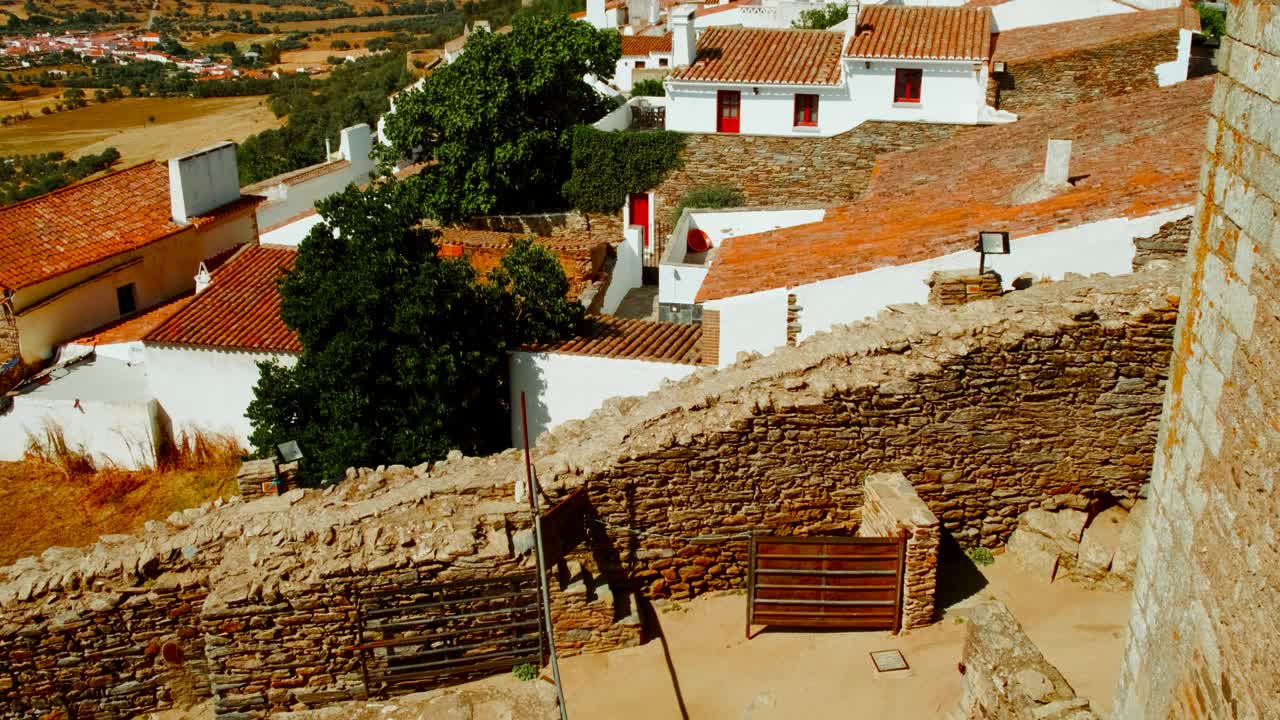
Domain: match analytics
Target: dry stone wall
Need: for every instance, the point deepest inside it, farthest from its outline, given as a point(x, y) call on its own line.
point(9, 349)
point(892, 508)
point(1061, 79)
point(957, 287)
point(1206, 615)
point(1168, 243)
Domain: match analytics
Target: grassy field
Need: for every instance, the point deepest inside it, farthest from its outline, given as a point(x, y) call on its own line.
point(46, 97)
point(306, 25)
point(180, 125)
point(45, 509)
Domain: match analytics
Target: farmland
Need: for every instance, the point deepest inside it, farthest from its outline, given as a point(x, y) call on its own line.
point(180, 125)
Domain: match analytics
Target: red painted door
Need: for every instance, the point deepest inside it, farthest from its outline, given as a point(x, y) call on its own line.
point(728, 109)
point(639, 204)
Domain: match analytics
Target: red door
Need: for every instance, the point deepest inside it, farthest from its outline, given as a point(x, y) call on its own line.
point(728, 106)
point(639, 204)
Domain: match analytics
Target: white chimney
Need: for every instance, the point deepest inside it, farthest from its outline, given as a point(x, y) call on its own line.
point(202, 278)
point(596, 15)
point(355, 145)
point(684, 38)
point(851, 27)
point(1057, 163)
point(202, 181)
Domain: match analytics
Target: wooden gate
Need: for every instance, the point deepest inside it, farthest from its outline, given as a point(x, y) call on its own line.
point(415, 637)
point(826, 582)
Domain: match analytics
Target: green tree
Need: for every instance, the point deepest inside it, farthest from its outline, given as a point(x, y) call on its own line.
point(1213, 22)
point(495, 123)
point(822, 18)
point(404, 352)
point(649, 87)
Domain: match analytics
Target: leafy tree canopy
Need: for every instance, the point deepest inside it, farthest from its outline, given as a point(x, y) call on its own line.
point(404, 352)
point(822, 18)
point(496, 122)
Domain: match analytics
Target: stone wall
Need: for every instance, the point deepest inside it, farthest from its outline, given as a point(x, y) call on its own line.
point(1006, 677)
point(957, 287)
point(787, 170)
point(1057, 80)
point(9, 349)
point(599, 228)
point(1202, 635)
point(891, 508)
point(1168, 243)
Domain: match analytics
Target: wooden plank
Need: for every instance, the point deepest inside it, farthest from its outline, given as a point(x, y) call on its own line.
point(395, 642)
point(902, 571)
point(404, 609)
point(421, 622)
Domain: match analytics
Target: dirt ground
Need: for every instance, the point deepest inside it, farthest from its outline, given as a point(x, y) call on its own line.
point(706, 670)
point(181, 125)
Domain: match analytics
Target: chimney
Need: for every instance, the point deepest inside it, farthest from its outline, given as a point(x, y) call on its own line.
point(684, 38)
point(1057, 163)
point(202, 278)
point(851, 28)
point(202, 181)
point(355, 145)
point(596, 14)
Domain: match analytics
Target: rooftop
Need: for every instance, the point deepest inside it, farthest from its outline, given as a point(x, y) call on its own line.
point(1057, 38)
point(639, 45)
point(240, 310)
point(86, 223)
point(751, 55)
point(297, 176)
point(1132, 156)
point(922, 33)
point(612, 337)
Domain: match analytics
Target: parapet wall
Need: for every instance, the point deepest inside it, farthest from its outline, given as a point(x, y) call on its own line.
point(892, 509)
point(988, 409)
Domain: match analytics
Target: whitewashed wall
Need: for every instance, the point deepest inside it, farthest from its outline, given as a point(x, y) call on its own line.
point(622, 77)
point(1175, 71)
point(209, 389)
point(73, 303)
point(1024, 13)
point(628, 270)
point(114, 420)
point(292, 234)
point(751, 323)
point(765, 109)
point(950, 92)
point(561, 387)
point(285, 201)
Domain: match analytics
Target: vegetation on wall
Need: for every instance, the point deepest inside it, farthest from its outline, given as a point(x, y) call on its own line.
point(356, 92)
point(495, 125)
point(404, 352)
point(707, 197)
point(649, 87)
point(606, 166)
point(1213, 21)
point(26, 176)
point(822, 18)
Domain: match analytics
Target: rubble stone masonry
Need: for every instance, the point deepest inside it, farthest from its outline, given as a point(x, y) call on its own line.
point(8, 348)
point(1206, 614)
point(1169, 243)
point(892, 508)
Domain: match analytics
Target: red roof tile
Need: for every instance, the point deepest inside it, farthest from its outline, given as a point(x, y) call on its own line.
point(790, 57)
point(639, 45)
point(135, 327)
point(1132, 156)
point(922, 33)
point(613, 337)
point(1057, 38)
point(240, 310)
point(83, 224)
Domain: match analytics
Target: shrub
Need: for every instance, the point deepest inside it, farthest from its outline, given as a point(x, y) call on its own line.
point(822, 18)
point(49, 449)
point(980, 556)
point(525, 671)
point(707, 197)
point(1213, 22)
point(649, 87)
point(606, 166)
point(340, 44)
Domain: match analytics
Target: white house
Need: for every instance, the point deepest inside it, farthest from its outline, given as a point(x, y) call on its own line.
point(1130, 170)
point(289, 211)
point(910, 64)
point(641, 52)
point(92, 253)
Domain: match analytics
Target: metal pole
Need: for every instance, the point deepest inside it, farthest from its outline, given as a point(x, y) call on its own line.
point(542, 563)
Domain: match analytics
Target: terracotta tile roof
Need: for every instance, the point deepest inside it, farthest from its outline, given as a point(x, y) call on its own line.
point(639, 45)
point(922, 33)
point(87, 223)
point(611, 337)
point(1132, 156)
point(1064, 37)
point(750, 55)
point(135, 327)
point(241, 308)
point(295, 177)
point(705, 10)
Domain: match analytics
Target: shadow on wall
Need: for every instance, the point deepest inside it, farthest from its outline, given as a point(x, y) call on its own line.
point(533, 382)
point(958, 578)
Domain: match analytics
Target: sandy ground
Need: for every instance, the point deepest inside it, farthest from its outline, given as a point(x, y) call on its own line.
point(706, 670)
point(181, 125)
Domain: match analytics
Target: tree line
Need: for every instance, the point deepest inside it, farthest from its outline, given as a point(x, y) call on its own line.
point(26, 176)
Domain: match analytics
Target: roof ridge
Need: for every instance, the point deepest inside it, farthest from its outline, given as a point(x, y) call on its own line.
point(77, 185)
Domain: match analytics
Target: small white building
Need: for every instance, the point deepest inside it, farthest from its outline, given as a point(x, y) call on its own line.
point(641, 52)
point(906, 64)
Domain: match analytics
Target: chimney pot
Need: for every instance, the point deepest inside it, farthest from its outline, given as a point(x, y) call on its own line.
point(203, 278)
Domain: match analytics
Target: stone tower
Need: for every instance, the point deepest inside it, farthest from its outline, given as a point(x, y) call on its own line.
point(1205, 626)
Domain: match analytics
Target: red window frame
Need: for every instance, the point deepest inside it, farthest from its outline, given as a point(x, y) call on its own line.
point(728, 111)
point(906, 85)
point(806, 111)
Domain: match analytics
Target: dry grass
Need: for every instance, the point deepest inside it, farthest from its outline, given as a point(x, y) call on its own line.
point(181, 125)
point(57, 496)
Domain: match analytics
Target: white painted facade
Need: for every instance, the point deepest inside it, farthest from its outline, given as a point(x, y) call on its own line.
point(1026, 13)
point(628, 269)
point(622, 76)
point(206, 388)
point(620, 117)
point(561, 387)
point(290, 202)
point(1175, 71)
point(757, 322)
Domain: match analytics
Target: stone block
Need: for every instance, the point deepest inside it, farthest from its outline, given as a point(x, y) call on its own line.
point(1036, 553)
point(1099, 543)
